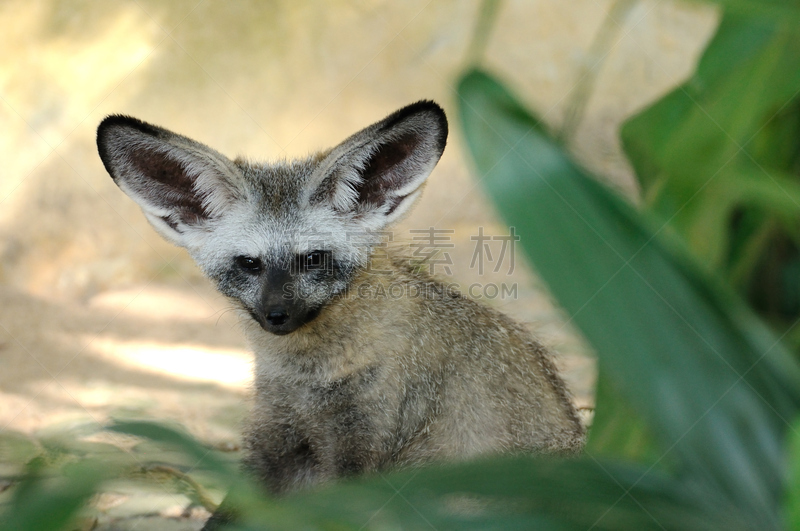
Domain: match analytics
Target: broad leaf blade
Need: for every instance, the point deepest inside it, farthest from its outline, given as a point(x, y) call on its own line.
point(514, 493)
point(792, 500)
point(708, 379)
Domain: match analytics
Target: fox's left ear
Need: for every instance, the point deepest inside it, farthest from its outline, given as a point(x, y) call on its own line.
point(181, 185)
point(378, 173)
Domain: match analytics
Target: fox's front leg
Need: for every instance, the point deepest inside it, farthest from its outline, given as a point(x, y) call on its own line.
point(339, 442)
point(279, 458)
point(282, 458)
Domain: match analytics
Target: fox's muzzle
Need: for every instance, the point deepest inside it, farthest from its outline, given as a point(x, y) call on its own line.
point(278, 311)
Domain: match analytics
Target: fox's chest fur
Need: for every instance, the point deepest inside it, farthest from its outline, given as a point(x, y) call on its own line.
point(362, 363)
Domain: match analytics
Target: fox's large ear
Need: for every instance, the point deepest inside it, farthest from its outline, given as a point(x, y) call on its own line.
point(379, 172)
point(181, 185)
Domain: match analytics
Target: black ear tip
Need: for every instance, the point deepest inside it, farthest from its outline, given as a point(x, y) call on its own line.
point(122, 121)
point(441, 117)
point(429, 107)
point(114, 120)
point(425, 105)
point(420, 107)
point(103, 131)
point(114, 125)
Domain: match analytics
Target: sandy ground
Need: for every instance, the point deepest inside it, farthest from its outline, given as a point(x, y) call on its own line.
point(162, 353)
point(150, 350)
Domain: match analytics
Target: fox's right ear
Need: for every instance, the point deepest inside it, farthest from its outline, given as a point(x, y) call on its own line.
point(379, 172)
point(180, 185)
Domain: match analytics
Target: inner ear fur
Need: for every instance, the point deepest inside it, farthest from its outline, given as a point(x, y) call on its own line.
point(176, 181)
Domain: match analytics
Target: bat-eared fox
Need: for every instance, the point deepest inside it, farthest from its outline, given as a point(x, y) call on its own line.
point(345, 382)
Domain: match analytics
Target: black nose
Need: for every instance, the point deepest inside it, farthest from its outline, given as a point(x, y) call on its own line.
point(277, 317)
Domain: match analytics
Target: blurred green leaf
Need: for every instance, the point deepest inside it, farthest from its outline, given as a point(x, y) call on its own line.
point(792, 501)
point(618, 431)
point(775, 190)
point(49, 503)
point(245, 496)
point(499, 493)
point(735, 116)
point(513, 493)
point(17, 448)
point(711, 382)
point(200, 457)
point(775, 9)
point(487, 15)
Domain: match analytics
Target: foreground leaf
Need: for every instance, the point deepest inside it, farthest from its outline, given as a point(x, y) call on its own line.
point(203, 457)
point(712, 384)
point(47, 503)
point(513, 493)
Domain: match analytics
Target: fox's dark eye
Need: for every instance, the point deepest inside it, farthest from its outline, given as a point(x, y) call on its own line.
point(316, 260)
point(249, 264)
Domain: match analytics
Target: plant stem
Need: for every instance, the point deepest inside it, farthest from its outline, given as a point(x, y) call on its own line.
point(483, 29)
point(591, 65)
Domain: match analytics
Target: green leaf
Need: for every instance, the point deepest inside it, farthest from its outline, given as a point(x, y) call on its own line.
point(514, 493)
point(781, 10)
point(201, 457)
point(245, 497)
point(771, 189)
point(737, 111)
point(17, 448)
point(618, 431)
point(792, 502)
point(748, 73)
point(711, 382)
point(49, 504)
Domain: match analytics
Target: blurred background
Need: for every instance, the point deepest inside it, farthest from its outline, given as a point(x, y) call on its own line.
point(88, 286)
point(99, 316)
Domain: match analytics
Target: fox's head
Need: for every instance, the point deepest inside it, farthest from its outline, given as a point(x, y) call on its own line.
point(282, 239)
